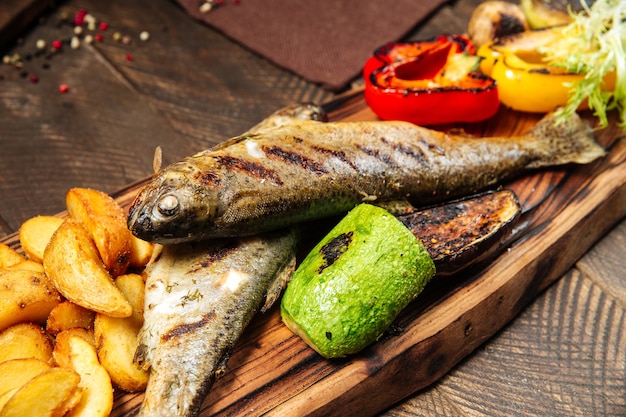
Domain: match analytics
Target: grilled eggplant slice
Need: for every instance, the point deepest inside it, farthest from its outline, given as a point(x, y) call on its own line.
point(466, 232)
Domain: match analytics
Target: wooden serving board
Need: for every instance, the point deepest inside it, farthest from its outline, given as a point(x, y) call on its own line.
point(272, 372)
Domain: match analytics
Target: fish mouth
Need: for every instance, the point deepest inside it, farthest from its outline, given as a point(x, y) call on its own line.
point(139, 221)
point(146, 213)
point(157, 213)
point(142, 225)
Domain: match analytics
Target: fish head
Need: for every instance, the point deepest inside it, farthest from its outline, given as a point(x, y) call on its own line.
point(173, 207)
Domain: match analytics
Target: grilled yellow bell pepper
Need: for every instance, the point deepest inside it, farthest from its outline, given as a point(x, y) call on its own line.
point(526, 81)
point(530, 86)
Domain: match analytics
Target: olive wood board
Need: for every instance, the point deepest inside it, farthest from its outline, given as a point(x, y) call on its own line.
point(566, 210)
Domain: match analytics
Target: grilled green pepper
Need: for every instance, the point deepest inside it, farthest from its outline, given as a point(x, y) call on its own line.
point(355, 282)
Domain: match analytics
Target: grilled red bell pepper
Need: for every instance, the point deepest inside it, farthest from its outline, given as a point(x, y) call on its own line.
point(429, 82)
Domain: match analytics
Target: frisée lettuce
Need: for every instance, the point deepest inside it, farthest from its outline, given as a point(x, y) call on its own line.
point(594, 44)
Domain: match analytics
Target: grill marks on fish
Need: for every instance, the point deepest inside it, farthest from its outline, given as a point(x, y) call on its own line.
point(185, 328)
point(209, 179)
point(218, 254)
point(333, 153)
point(415, 153)
point(296, 158)
point(251, 168)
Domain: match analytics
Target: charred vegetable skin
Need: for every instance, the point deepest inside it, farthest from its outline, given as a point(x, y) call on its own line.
point(429, 82)
point(466, 232)
point(494, 19)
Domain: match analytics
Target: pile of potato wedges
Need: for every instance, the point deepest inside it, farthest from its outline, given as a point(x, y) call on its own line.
point(71, 305)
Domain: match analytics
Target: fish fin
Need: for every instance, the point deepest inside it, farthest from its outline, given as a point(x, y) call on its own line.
point(291, 115)
point(220, 367)
point(282, 278)
point(297, 113)
point(566, 141)
point(156, 255)
point(157, 160)
point(229, 142)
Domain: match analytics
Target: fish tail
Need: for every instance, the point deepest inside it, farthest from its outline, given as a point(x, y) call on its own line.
point(568, 141)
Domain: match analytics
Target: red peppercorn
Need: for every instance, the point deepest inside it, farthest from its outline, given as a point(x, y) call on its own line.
point(103, 25)
point(33, 79)
point(63, 88)
point(129, 57)
point(57, 44)
point(99, 37)
point(79, 17)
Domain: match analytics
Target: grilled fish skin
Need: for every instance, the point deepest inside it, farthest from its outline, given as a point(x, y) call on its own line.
point(310, 169)
point(200, 296)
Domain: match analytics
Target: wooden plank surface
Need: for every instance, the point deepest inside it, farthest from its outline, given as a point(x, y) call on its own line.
point(18, 15)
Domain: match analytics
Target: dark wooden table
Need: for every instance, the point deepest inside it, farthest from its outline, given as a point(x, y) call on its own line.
point(189, 87)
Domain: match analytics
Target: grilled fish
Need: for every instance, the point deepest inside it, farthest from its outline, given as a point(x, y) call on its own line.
point(200, 296)
point(309, 169)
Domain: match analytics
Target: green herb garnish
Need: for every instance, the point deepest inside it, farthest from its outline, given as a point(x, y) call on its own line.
point(594, 44)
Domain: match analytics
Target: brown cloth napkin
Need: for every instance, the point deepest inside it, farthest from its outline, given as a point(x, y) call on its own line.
point(323, 41)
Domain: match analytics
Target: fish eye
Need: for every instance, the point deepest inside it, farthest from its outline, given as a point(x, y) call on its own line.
point(168, 205)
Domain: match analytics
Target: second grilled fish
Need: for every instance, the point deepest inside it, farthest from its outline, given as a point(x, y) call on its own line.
point(200, 297)
point(306, 170)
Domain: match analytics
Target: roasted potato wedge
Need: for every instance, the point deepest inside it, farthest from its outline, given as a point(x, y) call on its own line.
point(35, 233)
point(85, 334)
point(68, 315)
point(71, 260)
point(75, 353)
point(116, 338)
point(6, 396)
point(25, 296)
point(140, 252)
point(133, 288)
point(49, 394)
point(25, 340)
point(27, 265)
point(105, 220)
point(16, 372)
point(9, 256)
